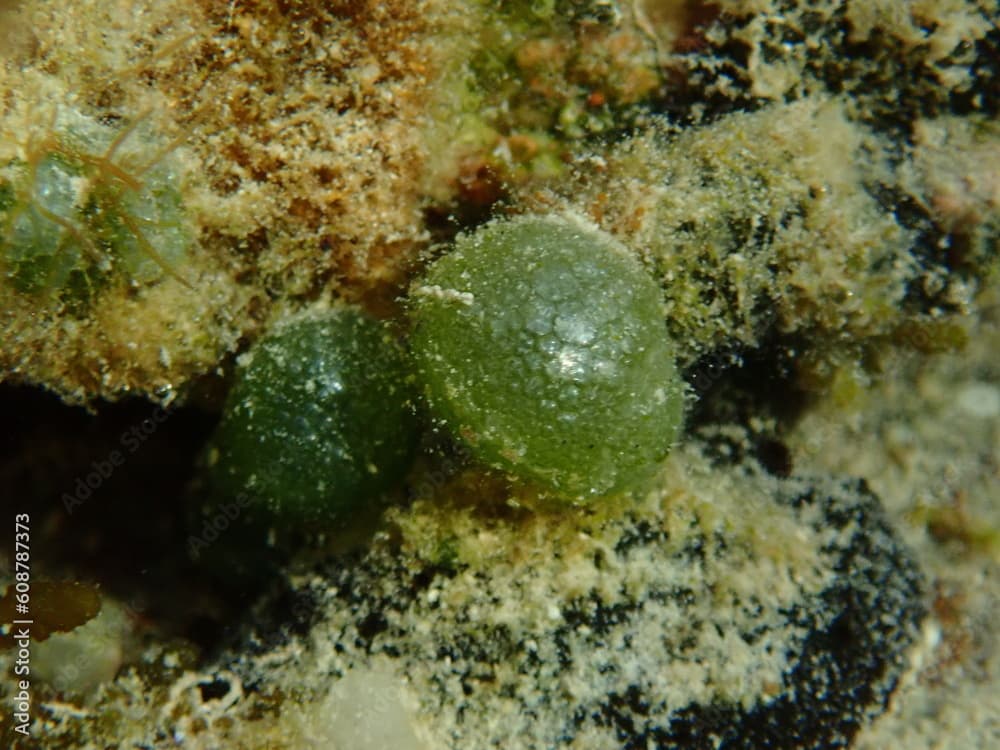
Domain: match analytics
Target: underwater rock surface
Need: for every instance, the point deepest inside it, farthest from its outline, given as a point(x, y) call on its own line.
point(667, 624)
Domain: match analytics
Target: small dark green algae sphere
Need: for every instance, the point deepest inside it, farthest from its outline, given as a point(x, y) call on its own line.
point(319, 419)
point(541, 343)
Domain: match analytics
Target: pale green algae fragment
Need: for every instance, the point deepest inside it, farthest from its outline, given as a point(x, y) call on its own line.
point(320, 420)
point(540, 342)
point(90, 200)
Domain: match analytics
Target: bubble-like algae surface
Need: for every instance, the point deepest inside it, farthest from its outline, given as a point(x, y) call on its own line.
point(541, 344)
point(319, 419)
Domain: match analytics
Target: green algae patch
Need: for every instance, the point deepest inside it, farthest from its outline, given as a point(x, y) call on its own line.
point(319, 420)
point(540, 343)
point(88, 201)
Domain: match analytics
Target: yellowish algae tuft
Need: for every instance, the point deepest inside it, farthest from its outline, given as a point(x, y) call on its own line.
point(779, 223)
point(760, 220)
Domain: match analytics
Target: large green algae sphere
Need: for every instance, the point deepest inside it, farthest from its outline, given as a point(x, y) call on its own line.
point(319, 420)
point(542, 344)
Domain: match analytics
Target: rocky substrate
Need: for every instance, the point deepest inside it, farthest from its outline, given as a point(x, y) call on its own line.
point(732, 610)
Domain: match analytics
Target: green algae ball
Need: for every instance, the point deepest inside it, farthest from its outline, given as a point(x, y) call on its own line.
point(319, 421)
point(541, 343)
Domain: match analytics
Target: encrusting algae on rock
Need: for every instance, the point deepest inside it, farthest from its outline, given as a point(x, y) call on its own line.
point(295, 164)
point(302, 167)
point(761, 221)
